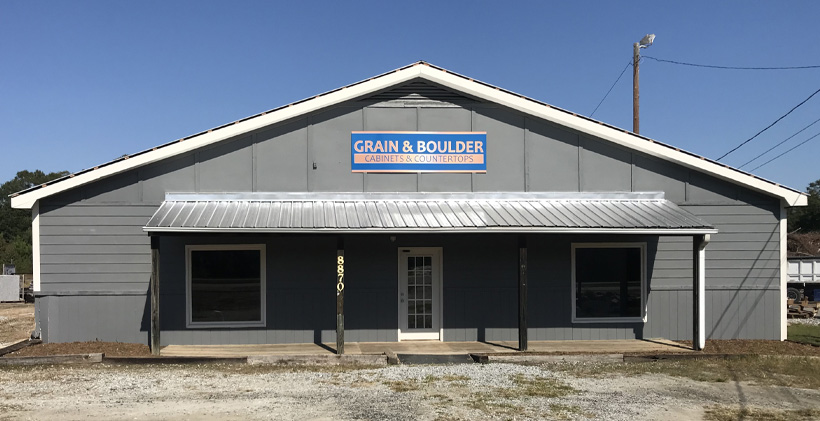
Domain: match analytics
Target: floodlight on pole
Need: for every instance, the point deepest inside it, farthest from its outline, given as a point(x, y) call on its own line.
point(645, 42)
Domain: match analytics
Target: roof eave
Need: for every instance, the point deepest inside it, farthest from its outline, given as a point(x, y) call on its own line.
point(26, 200)
point(460, 83)
point(621, 137)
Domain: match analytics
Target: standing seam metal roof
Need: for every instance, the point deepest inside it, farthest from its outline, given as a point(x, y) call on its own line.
point(468, 212)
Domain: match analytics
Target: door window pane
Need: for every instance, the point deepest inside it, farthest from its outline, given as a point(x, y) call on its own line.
point(419, 292)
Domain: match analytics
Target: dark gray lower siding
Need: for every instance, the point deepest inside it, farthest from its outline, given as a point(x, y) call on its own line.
point(108, 318)
point(480, 292)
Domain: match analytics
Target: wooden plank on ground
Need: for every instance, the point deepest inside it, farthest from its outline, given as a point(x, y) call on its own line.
point(53, 359)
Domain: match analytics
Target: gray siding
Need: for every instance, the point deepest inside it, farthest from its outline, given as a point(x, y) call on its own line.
point(92, 239)
point(113, 318)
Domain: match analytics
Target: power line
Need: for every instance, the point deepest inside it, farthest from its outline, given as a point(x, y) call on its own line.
point(793, 148)
point(610, 88)
point(769, 126)
point(732, 67)
point(782, 142)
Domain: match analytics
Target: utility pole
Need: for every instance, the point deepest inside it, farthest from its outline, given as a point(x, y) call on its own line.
point(636, 96)
point(646, 41)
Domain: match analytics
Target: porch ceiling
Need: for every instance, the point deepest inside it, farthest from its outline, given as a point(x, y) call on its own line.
point(637, 213)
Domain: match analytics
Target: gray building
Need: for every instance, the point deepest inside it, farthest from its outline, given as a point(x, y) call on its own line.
point(418, 204)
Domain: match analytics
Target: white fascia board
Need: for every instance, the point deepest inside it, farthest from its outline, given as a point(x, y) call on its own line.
point(27, 200)
point(784, 273)
point(528, 106)
point(35, 245)
point(458, 83)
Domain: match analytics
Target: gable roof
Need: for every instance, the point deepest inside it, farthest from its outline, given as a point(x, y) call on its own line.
point(463, 84)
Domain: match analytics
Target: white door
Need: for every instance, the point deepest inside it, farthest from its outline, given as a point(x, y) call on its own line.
point(419, 293)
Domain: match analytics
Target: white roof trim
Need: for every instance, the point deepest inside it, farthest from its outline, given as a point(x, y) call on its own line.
point(628, 140)
point(460, 230)
point(455, 82)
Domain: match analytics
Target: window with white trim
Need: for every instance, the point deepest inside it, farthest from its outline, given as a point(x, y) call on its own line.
point(609, 282)
point(225, 285)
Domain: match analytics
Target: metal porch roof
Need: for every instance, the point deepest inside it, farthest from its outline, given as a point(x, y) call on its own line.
point(638, 213)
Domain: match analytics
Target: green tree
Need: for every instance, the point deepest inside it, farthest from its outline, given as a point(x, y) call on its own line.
point(807, 218)
point(15, 224)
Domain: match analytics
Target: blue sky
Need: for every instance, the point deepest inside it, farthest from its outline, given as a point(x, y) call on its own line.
point(82, 83)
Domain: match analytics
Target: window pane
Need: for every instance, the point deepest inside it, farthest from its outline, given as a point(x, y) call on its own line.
point(411, 322)
point(428, 322)
point(226, 286)
point(411, 292)
point(428, 277)
point(608, 282)
point(420, 322)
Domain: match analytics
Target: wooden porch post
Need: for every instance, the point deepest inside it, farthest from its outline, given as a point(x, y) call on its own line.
point(699, 243)
point(154, 286)
point(522, 294)
point(340, 296)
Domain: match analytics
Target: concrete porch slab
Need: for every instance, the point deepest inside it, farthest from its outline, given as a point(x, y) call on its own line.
point(646, 346)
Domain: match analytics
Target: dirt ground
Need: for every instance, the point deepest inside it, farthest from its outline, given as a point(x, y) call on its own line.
point(110, 349)
point(435, 393)
point(117, 349)
point(16, 322)
point(780, 386)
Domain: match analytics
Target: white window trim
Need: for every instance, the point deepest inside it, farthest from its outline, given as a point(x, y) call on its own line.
point(263, 281)
point(642, 318)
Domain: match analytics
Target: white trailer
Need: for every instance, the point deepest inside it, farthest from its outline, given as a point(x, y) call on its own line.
point(804, 278)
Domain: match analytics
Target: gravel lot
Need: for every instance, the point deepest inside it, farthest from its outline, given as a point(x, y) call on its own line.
point(455, 392)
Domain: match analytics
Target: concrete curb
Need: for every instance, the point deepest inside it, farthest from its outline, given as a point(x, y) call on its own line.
point(176, 360)
point(551, 358)
point(379, 359)
point(54, 359)
point(388, 358)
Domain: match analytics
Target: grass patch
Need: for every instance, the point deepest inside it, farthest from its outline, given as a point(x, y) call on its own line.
point(541, 387)
point(804, 334)
point(803, 372)
point(730, 413)
point(495, 402)
point(566, 411)
point(403, 386)
point(491, 405)
point(7, 407)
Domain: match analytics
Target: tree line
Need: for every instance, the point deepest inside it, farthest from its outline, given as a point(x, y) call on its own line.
point(15, 224)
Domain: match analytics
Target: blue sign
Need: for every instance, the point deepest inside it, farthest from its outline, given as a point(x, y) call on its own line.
point(418, 152)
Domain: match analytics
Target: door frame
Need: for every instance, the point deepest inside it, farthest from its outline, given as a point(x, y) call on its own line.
point(438, 291)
